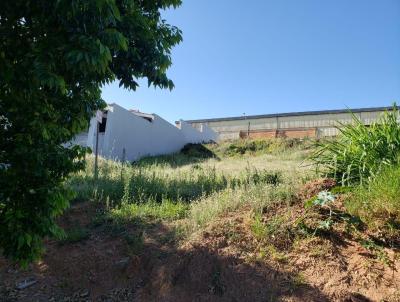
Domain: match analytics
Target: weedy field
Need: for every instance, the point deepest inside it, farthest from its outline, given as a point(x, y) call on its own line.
point(244, 220)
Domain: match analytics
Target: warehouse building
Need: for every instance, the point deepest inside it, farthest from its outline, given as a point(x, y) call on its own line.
point(295, 125)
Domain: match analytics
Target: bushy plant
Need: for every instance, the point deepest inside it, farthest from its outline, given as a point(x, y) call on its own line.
point(197, 151)
point(167, 210)
point(247, 146)
point(378, 202)
point(190, 153)
point(74, 235)
point(361, 151)
point(54, 58)
point(257, 146)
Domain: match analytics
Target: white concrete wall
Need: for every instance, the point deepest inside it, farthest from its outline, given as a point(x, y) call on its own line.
point(195, 135)
point(190, 134)
point(140, 137)
point(209, 134)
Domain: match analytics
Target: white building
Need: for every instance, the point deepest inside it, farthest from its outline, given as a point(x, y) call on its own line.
point(131, 135)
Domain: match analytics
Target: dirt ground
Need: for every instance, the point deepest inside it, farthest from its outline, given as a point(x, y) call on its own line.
point(219, 264)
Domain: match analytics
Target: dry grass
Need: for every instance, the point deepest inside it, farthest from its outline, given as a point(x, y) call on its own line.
point(194, 190)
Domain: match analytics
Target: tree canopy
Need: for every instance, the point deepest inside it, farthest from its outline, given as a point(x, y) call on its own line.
point(55, 55)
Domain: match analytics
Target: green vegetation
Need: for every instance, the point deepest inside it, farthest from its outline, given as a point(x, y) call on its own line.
point(365, 161)
point(54, 60)
point(276, 226)
point(190, 190)
point(156, 183)
point(258, 228)
point(166, 210)
point(196, 191)
point(361, 152)
point(378, 202)
point(257, 197)
point(74, 235)
point(190, 154)
point(197, 153)
point(259, 146)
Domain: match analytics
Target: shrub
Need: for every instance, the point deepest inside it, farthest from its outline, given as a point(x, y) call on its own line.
point(378, 202)
point(264, 176)
point(257, 146)
point(361, 151)
point(247, 146)
point(190, 153)
point(55, 58)
point(74, 235)
point(197, 151)
point(276, 232)
point(258, 228)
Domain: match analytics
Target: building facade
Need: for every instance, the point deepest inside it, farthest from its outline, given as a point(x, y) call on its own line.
point(130, 135)
point(296, 124)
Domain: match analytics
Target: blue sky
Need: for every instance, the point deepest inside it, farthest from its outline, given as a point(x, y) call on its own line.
point(270, 56)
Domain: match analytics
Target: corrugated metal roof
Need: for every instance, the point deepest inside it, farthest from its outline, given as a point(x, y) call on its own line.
point(335, 111)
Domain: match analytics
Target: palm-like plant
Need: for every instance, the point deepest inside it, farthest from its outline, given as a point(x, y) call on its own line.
point(360, 151)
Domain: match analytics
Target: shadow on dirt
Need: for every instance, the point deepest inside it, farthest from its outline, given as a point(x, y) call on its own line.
point(142, 262)
point(201, 274)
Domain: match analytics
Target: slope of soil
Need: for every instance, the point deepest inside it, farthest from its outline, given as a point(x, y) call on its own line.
point(143, 262)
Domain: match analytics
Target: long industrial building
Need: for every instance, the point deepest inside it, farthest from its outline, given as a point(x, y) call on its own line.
point(295, 124)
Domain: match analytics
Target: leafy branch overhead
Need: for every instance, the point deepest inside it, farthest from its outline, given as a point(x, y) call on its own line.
point(54, 58)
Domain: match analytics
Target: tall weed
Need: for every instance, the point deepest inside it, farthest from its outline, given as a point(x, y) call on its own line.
point(378, 202)
point(258, 146)
point(360, 152)
point(180, 187)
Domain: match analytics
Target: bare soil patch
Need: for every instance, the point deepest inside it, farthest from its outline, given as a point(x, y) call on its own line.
point(225, 262)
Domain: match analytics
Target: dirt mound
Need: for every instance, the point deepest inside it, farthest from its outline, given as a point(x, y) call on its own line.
point(225, 262)
point(312, 188)
point(75, 271)
point(216, 266)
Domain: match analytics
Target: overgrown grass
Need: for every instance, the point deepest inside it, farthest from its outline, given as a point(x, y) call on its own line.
point(361, 151)
point(378, 202)
point(75, 234)
point(259, 146)
point(157, 183)
point(190, 190)
point(366, 159)
point(196, 186)
point(257, 197)
point(166, 210)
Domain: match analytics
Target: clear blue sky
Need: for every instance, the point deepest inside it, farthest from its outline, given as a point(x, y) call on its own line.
point(270, 56)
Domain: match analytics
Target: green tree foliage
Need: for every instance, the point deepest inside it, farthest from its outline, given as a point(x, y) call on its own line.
point(54, 57)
